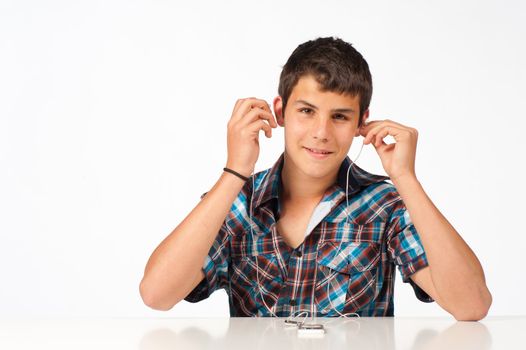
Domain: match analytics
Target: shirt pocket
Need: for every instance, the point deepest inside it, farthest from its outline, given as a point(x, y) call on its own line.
point(249, 271)
point(353, 232)
point(346, 275)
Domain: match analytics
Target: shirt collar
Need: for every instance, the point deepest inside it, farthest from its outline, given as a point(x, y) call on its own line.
point(271, 186)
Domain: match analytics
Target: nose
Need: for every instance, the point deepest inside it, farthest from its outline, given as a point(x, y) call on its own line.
point(321, 129)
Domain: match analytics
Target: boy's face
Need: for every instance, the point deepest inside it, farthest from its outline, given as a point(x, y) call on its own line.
point(319, 120)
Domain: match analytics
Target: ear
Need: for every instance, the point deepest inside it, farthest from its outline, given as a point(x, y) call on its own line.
point(278, 110)
point(364, 119)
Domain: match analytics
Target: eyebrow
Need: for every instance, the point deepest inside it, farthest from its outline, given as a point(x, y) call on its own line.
point(340, 110)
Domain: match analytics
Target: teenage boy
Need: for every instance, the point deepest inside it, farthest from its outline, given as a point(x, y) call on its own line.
point(315, 232)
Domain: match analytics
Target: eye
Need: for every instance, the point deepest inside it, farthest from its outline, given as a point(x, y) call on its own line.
point(305, 109)
point(340, 117)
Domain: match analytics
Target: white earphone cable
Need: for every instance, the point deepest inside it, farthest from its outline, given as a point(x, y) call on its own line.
point(328, 284)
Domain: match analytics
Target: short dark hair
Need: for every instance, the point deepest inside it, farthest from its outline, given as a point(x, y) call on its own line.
point(336, 66)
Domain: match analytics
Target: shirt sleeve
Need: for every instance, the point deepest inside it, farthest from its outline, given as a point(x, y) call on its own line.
point(215, 266)
point(405, 249)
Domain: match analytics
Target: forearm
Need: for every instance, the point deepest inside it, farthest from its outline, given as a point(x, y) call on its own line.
point(171, 272)
point(456, 272)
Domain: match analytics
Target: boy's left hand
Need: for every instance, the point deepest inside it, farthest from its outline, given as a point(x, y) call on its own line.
point(398, 159)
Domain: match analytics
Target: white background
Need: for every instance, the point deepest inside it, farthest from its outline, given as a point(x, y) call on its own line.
point(113, 122)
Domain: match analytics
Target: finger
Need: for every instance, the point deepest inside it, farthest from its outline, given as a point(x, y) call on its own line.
point(366, 127)
point(253, 115)
point(370, 123)
point(372, 135)
point(378, 142)
point(250, 103)
point(380, 136)
point(263, 105)
point(384, 148)
point(236, 106)
point(395, 124)
point(239, 102)
point(258, 125)
point(256, 114)
point(387, 131)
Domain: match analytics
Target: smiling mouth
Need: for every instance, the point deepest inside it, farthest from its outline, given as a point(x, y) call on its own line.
point(318, 153)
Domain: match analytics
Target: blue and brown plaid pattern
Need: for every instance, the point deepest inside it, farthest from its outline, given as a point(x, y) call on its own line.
point(342, 265)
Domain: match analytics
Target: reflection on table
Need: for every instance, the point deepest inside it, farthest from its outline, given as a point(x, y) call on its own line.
point(261, 333)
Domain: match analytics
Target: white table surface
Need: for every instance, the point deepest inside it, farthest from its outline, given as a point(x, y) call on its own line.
point(262, 333)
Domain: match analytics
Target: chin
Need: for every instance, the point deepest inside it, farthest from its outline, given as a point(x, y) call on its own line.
point(318, 168)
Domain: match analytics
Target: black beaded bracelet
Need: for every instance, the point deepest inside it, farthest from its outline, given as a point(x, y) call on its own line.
point(236, 173)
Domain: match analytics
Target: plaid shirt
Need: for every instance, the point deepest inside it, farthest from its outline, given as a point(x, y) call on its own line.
point(347, 265)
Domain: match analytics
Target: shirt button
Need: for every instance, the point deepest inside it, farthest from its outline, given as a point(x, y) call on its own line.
point(298, 253)
point(293, 303)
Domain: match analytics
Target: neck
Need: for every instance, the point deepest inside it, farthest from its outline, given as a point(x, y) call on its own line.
point(299, 187)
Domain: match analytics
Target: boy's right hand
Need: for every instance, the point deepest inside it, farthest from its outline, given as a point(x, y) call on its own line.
point(250, 115)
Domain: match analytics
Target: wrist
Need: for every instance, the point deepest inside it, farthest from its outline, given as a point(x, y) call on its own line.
point(236, 174)
point(405, 180)
point(239, 169)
